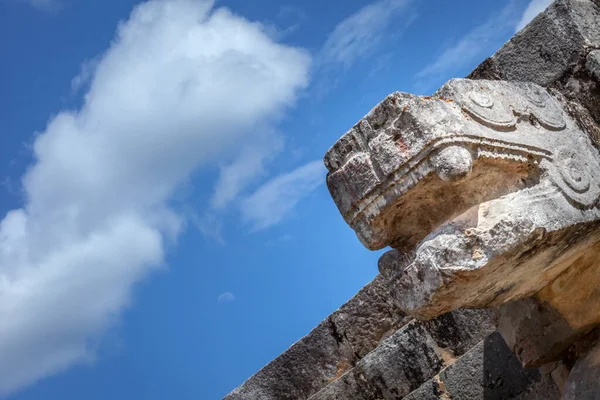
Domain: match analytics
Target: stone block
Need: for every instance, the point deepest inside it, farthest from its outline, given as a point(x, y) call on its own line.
point(548, 46)
point(545, 389)
point(458, 331)
point(490, 371)
point(430, 390)
point(584, 381)
point(329, 350)
point(536, 332)
point(397, 367)
point(299, 372)
point(368, 318)
point(349, 386)
point(593, 64)
point(402, 363)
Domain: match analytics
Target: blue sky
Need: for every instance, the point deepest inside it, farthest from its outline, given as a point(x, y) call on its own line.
point(165, 227)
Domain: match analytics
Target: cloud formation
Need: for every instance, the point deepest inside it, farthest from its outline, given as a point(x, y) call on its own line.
point(48, 5)
point(476, 44)
point(271, 202)
point(362, 32)
point(181, 84)
point(248, 165)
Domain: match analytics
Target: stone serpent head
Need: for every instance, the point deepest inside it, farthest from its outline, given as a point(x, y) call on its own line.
point(474, 188)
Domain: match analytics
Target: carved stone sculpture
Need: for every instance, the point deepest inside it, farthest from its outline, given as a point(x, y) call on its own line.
point(487, 192)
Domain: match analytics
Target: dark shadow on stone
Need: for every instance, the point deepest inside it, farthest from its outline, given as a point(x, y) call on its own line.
point(503, 375)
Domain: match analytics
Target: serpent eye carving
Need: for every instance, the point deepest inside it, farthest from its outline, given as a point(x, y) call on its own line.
point(575, 177)
point(453, 163)
point(482, 100)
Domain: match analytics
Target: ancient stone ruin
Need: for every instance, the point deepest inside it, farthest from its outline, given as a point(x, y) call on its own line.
point(488, 193)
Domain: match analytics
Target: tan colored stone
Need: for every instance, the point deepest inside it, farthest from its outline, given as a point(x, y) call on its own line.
point(576, 292)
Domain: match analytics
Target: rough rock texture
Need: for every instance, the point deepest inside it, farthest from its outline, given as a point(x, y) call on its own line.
point(489, 371)
point(389, 362)
point(414, 162)
point(458, 331)
point(548, 46)
point(535, 332)
point(402, 363)
point(329, 350)
point(408, 359)
point(593, 64)
point(584, 381)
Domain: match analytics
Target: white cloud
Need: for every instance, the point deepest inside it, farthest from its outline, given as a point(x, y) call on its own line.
point(270, 203)
point(49, 5)
point(361, 33)
point(86, 72)
point(226, 297)
point(208, 224)
point(477, 43)
point(287, 12)
point(247, 166)
point(180, 85)
point(533, 9)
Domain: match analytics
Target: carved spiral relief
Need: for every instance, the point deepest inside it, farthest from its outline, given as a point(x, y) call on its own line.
point(534, 95)
point(499, 110)
point(544, 108)
point(575, 177)
point(486, 110)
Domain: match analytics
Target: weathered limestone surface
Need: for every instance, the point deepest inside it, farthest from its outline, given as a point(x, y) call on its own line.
point(584, 380)
point(488, 194)
point(330, 350)
point(363, 344)
point(408, 359)
point(490, 371)
point(551, 44)
point(397, 367)
point(593, 64)
point(559, 50)
point(552, 51)
point(536, 332)
point(496, 186)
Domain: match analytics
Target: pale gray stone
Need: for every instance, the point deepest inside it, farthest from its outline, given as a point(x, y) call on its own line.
point(330, 350)
point(458, 331)
point(430, 390)
point(548, 46)
point(489, 371)
point(398, 366)
point(368, 318)
point(584, 381)
point(301, 371)
point(350, 386)
point(535, 332)
point(593, 64)
point(552, 51)
point(403, 362)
